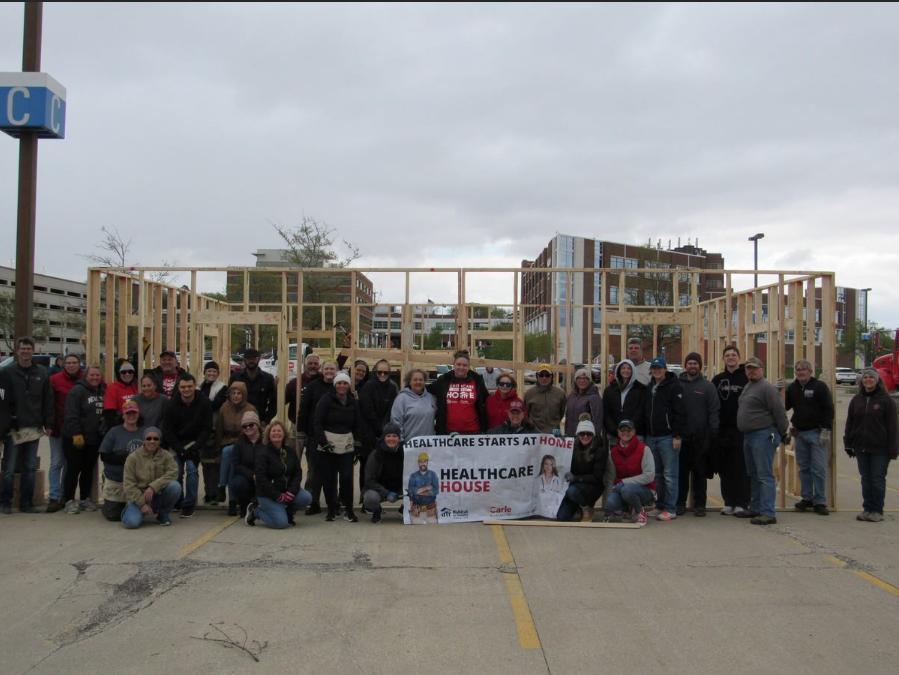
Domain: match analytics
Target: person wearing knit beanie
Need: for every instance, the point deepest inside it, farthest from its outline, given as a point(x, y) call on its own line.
point(693, 356)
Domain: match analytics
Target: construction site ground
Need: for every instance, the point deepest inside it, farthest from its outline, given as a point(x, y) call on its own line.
point(810, 594)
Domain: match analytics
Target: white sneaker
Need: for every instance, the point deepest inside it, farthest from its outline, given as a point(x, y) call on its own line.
point(641, 518)
point(738, 509)
point(655, 513)
point(72, 506)
point(87, 505)
point(727, 511)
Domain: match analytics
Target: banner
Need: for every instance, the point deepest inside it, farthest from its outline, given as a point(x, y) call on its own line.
point(471, 478)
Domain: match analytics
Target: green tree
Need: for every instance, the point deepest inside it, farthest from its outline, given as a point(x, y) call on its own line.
point(865, 350)
point(41, 330)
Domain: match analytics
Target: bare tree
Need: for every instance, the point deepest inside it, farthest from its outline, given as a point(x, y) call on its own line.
point(40, 332)
point(165, 276)
point(113, 250)
point(310, 245)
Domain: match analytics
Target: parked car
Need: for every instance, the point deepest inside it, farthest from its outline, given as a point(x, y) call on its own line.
point(45, 360)
point(846, 376)
point(675, 368)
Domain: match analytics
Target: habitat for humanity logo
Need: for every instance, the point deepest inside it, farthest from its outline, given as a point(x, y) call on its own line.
point(453, 513)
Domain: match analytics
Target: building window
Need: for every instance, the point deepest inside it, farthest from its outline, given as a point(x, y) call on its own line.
point(619, 263)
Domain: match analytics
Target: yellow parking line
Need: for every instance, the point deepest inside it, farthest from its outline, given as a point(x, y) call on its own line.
point(713, 501)
point(209, 536)
point(834, 561)
point(524, 621)
point(843, 475)
point(870, 578)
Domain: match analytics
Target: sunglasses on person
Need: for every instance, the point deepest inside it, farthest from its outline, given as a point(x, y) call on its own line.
point(248, 426)
point(382, 372)
point(151, 438)
point(544, 375)
point(503, 384)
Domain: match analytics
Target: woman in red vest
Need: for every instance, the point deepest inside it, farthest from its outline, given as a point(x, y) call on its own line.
point(633, 471)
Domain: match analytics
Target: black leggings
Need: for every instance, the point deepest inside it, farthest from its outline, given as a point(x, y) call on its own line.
point(334, 466)
point(80, 467)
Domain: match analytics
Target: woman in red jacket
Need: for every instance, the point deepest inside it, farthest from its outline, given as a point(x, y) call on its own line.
point(498, 402)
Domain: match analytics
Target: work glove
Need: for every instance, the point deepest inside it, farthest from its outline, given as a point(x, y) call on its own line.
point(78, 441)
point(850, 452)
point(825, 436)
point(569, 477)
point(283, 498)
point(780, 384)
point(557, 433)
point(326, 447)
point(391, 497)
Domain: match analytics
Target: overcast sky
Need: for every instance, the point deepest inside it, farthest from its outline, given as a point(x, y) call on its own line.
point(469, 135)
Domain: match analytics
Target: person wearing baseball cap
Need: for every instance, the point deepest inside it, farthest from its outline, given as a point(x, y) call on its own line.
point(384, 472)
point(632, 474)
point(545, 402)
point(665, 420)
point(515, 422)
point(423, 490)
point(762, 418)
point(118, 443)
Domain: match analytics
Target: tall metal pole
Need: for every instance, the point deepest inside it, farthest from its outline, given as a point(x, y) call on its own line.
point(865, 328)
point(31, 62)
point(755, 240)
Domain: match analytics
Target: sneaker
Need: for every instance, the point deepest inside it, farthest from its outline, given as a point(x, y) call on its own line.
point(350, 516)
point(332, 514)
point(27, 509)
point(87, 505)
point(313, 510)
point(163, 520)
point(728, 511)
point(744, 513)
point(366, 511)
point(187, 511)
point(874, 517)
point(232, 508)
point(699, 511)
point(72, 507)
point(680, 509)
point(821, 509)
point(242, 511)
point(207, 499)
point(654, 513)
point(665, 516)
point(764, 520)
point(803, 505)
point(251, 514)
point(587, 516)
point(641, 518)
point(376, 516)
point(53, 506)
point(220, 496)
point(864, 516)
point(607, 517)
point(6, 509)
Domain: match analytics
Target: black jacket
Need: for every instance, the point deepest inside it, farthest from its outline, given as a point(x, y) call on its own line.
point(871, 423)
point(634, 406)
point(277, 471)
point(375, 402)
point(440, 388)
point(185, 424)
point(664, 408)
point(261, 392)
point(84, 413)
point(588, 466)
point(702, 406)
point(729, 386)
point(33, 403)
point(243, 457)
point(336, 417)
point(384, 470)
point(812, 405)
point(5, 403)
point(312, 393)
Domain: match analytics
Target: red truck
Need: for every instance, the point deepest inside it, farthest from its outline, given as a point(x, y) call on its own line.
point(887, 367)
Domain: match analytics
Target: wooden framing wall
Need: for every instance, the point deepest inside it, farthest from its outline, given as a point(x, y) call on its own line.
point(164, 317)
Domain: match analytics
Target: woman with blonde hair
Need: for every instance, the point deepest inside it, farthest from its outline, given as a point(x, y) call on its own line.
point(278, 479)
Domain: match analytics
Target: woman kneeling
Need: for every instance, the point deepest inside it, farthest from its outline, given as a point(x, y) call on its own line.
point(278, 479)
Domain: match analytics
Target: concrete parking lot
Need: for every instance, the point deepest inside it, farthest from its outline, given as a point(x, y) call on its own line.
point(712, 594)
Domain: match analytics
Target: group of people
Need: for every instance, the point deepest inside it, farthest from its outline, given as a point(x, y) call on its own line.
point(645, 442)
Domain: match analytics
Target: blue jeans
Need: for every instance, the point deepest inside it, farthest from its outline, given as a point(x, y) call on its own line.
point(241, 489)
point(57, 468)
point(26, 480)
point(574, 498)
point(162, 504)
point(667, 470)
point(193, 480)
point(811, 457)
point(873, 470)
point(759, 448)
point(628, 494)
point(274, 514)
point(225, 468)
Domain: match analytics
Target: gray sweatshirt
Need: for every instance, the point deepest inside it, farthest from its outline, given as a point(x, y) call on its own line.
point(414, 414)
point(760, 407)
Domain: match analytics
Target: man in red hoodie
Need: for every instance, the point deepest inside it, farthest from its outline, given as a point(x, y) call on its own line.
point(61, 383)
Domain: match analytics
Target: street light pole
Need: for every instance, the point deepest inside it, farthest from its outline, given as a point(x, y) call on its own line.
point(755, 240)
point(865, 328)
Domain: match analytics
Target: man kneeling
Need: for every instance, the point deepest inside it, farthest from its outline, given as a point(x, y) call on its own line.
point(150, 482)
point(384, 472)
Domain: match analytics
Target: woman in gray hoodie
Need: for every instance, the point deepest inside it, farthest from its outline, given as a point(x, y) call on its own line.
point(415, 408)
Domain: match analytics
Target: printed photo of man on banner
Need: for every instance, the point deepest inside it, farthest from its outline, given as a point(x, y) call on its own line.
point(463, 479)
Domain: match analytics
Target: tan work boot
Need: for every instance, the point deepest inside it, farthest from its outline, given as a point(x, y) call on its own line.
point(588, 515)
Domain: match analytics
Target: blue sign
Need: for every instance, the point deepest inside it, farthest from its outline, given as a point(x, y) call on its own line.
point(32, 102)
